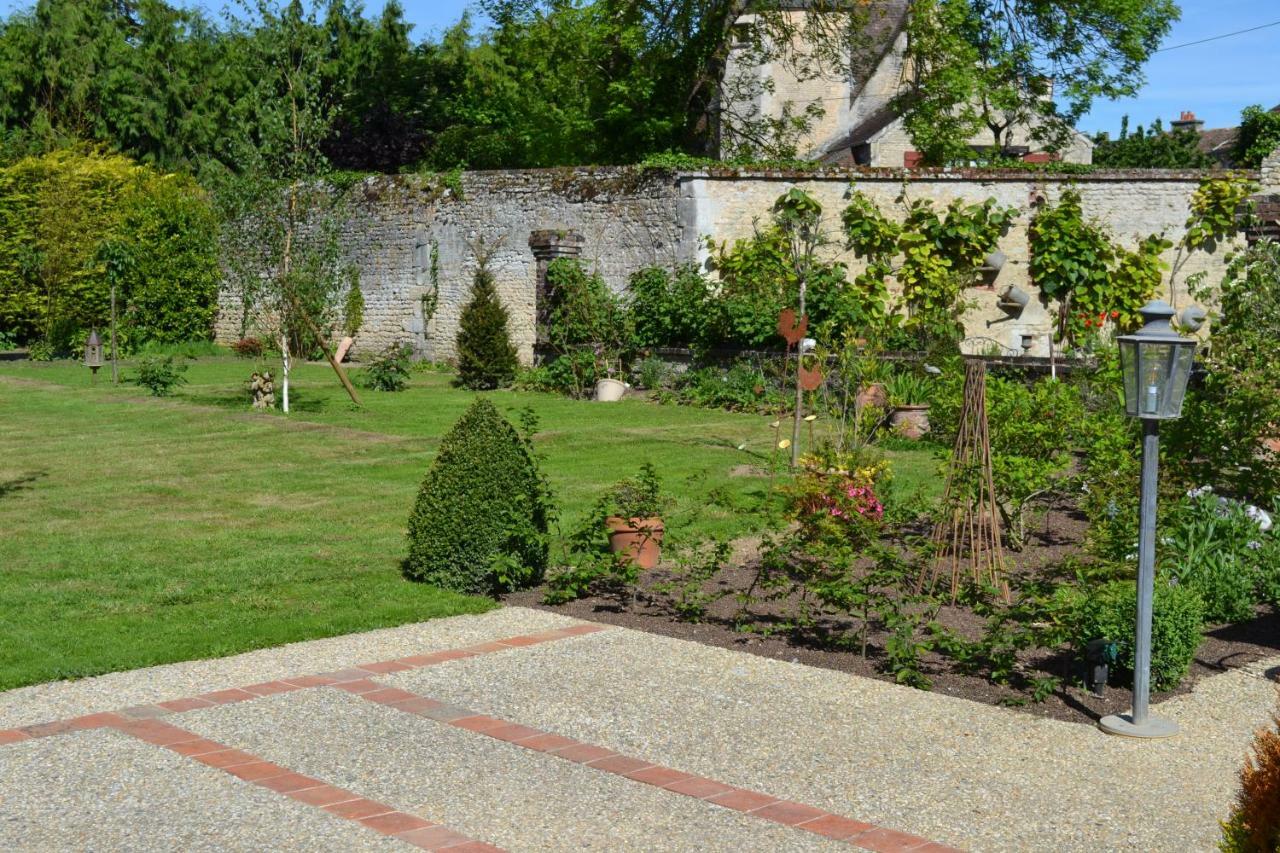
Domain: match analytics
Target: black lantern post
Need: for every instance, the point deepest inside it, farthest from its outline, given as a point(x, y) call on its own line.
point(93, 353)
point(1156, 364)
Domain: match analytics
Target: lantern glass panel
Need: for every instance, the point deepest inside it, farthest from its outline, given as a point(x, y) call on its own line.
point(1129, 370)
point(1179, 375)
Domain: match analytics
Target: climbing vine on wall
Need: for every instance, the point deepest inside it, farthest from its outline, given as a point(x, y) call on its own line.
point(1095, 282)
point(938, 252)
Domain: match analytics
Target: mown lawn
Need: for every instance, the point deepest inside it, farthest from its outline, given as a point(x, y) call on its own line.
point(138, 531)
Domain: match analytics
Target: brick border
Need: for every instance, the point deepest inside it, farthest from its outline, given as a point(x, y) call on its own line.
point(287, 685)
point(338, 802)
point(786, 812)
point(144, 723)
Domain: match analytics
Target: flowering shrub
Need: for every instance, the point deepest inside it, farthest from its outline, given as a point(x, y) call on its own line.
point(837, 498)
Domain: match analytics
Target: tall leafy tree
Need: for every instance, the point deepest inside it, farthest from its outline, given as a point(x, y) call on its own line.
point(999, 64)
point(281, 219)
point(1150, 148)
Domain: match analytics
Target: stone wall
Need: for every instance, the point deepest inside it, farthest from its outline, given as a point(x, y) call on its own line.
point(628, 219)
point(1130, 205)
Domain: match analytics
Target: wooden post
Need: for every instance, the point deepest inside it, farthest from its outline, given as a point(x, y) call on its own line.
point(115, 361)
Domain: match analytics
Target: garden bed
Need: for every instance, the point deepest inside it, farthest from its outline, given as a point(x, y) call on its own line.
point(1058, 537)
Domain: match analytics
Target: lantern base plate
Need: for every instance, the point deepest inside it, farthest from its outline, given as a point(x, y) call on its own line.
point(1123, 725)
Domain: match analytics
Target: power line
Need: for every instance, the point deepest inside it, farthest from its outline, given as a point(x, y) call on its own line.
point(1219, 38)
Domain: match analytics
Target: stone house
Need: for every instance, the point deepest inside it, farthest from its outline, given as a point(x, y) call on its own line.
point(858, 126)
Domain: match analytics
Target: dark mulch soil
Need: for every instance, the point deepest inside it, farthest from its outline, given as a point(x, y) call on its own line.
point(1057, 536)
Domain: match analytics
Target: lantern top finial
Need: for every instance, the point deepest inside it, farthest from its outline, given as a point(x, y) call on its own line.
point(1157, 316)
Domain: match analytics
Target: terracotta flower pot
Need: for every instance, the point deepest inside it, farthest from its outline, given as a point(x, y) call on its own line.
point(871, 395)
point(610, 390)
point(639, 539)
point(910, 421)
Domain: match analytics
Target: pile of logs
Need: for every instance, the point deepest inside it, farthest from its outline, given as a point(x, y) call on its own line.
point(263, 390)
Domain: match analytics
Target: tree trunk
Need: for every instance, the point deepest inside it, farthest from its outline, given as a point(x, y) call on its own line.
point(284, 387)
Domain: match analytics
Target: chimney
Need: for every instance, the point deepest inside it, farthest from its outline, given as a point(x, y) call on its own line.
point(1188, 122)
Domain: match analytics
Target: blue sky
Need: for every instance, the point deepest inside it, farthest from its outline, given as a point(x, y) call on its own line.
point(1214, 80)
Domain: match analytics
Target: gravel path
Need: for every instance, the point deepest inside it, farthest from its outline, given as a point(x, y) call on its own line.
point(103, 790)
point(484, 788)
point(60, 699)
point(971, 775)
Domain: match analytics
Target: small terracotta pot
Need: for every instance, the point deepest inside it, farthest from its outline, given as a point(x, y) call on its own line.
point(871, 395)
point(638, 539)
point(910, 421)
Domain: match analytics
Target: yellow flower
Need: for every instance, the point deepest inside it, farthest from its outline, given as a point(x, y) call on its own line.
point(784, 444)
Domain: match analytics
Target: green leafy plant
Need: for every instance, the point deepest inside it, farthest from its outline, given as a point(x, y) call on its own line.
point(390, 369)
point(907, 389)
point(587, 567)
point(1094, 281)
point(744, 387)
point(587, 317)
point(1218, 547)
point(1259, 136)
point(689, 597)
point(1033, 426)
point(1110, 611)
point(636, 497)
point(480, 521)
point(938, 253)
point(1231, 419)
point(160, 376)
point(652, 373)
point(353, 305)
point(486, 358)
point(670, 310)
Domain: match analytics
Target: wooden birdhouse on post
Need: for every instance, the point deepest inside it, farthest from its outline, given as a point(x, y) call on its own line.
point(93, 353)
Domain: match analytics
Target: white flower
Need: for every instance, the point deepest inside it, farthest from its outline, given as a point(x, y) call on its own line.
point(1200, 492)
point(1253, 545)
point(1259, 516)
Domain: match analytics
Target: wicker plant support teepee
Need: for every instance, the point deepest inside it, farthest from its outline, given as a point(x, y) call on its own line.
point(970, 536)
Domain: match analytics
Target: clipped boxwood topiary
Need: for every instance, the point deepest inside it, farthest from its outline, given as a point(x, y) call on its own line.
point(480, 521)
point(1110, 613)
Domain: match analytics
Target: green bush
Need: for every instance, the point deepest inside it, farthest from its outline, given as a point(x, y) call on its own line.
point(742, 388)
point(1220, 438)
point(389, 370)
point(74, 223)
point(1110, 612)
point(1215, 547)
point(480, 521)
point(670, 310)
point(160, 375)
point(486, 358)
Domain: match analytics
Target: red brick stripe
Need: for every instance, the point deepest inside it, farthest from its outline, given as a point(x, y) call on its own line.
point(798, 815)
point(339, 802)
point(354, 679)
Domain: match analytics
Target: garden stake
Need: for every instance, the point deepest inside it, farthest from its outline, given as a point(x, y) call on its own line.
point(115, 362)
point(974, 523)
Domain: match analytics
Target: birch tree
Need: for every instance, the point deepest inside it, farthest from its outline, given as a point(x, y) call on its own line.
point(280, 240)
